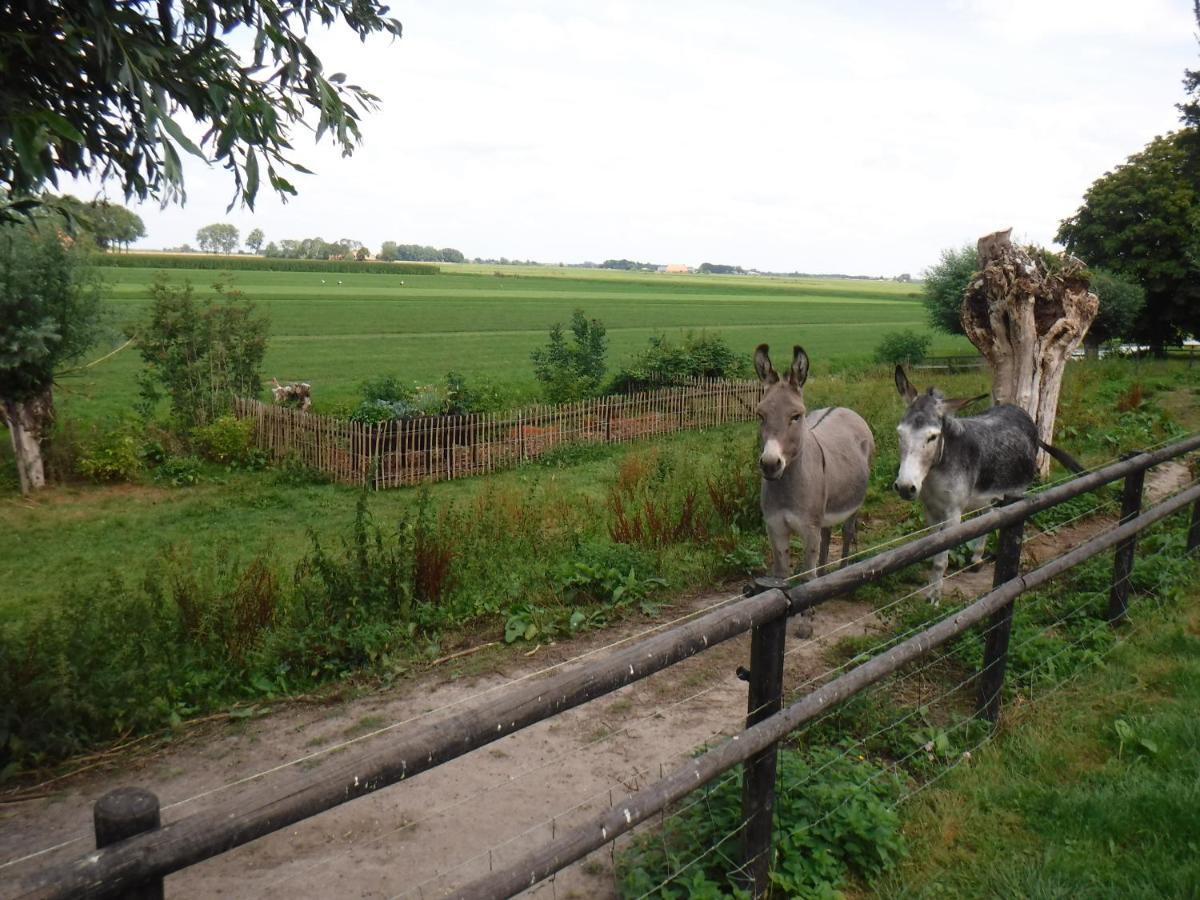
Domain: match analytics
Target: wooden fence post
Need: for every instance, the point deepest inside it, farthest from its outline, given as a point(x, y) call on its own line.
point(1131, 506)
point(999, 625)
point(758, 773)
point(120, 814)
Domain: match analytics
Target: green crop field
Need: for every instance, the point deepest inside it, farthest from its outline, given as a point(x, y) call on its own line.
point(337, 329)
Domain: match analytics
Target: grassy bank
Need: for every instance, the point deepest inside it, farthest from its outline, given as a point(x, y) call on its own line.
point(1091, 791)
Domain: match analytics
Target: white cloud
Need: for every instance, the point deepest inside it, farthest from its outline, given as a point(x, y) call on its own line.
point(784, 136)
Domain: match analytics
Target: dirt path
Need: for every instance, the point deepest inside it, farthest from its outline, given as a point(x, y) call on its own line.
point(417, 838)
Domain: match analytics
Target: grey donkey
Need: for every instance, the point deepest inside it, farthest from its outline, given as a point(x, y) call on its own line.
point(815, 468)
point(954, 465)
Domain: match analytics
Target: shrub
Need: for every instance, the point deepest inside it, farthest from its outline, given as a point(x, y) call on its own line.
point(111, 454)
point(201, 354)
point(902, 348)
point(572, 371)
point(178, 471)
point(663, 362)
point(225, 440)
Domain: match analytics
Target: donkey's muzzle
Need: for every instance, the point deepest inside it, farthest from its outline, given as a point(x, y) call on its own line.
point(771, 468)
point(907, 491)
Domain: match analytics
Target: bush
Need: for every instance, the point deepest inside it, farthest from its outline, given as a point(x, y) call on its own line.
point(902, 348)
point(111, 454)
point(179, 471)
point(664, 363)
point(575, 371)
point(386, 399)
point(225, 440)
point(202, 355)
point(261, 264)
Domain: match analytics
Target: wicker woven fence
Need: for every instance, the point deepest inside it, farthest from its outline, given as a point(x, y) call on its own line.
point(436, 448)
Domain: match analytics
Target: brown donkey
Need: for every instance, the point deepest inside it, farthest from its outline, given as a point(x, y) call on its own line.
point(815, 467)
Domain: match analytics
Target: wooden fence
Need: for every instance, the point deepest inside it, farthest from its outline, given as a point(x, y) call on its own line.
point(437, 448)
point(135, 851)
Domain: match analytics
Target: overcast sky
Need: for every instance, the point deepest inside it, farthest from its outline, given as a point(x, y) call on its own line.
point(853, 136)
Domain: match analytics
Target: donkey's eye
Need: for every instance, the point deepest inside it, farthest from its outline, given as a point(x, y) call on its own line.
point(796, 418)
point(931, 439)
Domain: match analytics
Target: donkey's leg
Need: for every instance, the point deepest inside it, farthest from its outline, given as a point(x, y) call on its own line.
point(816, 548)
point(849, 539)
point(934, 593)
point(823, 559)
point(942, 518)
point(780, 538)
point(978, 546)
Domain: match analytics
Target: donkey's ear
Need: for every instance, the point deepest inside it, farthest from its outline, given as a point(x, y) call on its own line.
point(954, 405)
point(904, 386)
point(762, 365)
point(798, 373)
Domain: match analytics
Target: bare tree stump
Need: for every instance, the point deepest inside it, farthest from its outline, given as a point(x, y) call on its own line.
point(1026, 313)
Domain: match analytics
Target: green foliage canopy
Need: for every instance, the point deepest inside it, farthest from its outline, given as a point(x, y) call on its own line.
point(1141, 221)
point(103, 87)
point(220, 237)
point(572, 371)
point(49, 306)
point(945, 282)
point(1121, 303)
point(254, 240)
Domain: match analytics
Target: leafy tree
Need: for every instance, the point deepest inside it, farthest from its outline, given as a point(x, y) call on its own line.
point(108, 224)
point(720, 269)
point(450, 255)
point(903, 348)
point(220, 237)
point(254, 240)
point(49, 316)
point(202, 354)
point(387, 252)
point(1121, 302)
point(576, 370)
point(96, 88)
point(1141, 221)
point(945, 282)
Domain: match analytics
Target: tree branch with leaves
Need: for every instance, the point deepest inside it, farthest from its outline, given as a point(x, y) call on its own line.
point(107, 88)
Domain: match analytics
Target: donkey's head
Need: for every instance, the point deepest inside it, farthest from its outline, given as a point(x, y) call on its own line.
point(781, 411)
point(922, 430)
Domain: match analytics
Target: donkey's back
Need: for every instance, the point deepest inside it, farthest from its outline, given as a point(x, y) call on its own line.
point(997, 452)
point(846, 446)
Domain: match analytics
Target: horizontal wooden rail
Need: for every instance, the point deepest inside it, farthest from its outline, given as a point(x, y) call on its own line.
point(639, 806)
point(258, 812)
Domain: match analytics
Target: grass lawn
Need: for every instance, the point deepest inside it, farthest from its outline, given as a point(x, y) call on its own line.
point(336, 330)
point(1091, 791)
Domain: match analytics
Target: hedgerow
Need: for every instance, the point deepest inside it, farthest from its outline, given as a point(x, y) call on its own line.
point(262, 264)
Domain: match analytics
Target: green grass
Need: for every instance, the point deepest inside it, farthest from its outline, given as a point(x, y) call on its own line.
point(1060, 806)
point(338, 335)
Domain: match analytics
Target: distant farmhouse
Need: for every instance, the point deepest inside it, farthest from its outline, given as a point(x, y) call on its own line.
point(677, 269)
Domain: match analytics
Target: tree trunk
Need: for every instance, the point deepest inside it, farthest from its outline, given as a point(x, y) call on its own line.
point(1026, 320)
point(29, 422)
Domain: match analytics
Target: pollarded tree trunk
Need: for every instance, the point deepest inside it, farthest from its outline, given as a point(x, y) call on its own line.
point(28, 422)
point(1026, 318)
